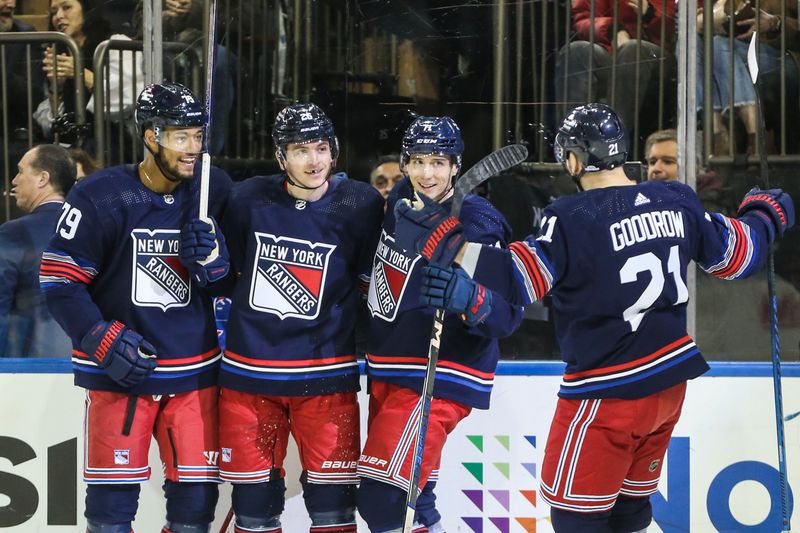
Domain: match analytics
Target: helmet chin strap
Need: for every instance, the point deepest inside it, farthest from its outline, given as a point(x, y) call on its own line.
point(444, 194)
point(306, 187)
point(157, 159)
point(575, 177)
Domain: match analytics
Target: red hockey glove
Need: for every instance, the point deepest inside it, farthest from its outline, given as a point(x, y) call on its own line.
point(453, 290)
point(429, 230)
point(774, 205)
point(126, 357)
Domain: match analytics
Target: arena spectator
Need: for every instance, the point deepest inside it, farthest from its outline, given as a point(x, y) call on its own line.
point(17, 81)
point(730, 63)
point(386, 174)
point(661, 155)
point(588, 61)
point(46, 173)
point(84, 22)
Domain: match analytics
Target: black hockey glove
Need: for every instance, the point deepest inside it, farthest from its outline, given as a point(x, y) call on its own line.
point(203, 251)
point(453, 290)
point(126, 357)
point(774, 205)
point(427, 228)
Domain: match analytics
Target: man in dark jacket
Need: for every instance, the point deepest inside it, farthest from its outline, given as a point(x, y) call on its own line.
point(45, 174)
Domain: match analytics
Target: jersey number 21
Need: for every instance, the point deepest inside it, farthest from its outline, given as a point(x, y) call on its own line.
point(649, 262)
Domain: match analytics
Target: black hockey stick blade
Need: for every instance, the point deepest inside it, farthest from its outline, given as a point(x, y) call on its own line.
point(491, 165)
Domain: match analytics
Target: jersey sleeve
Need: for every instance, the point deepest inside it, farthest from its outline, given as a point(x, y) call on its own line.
point(372, 222)
point(731, 248)
point(486, 226)
point(70, 262)
point(525, 271)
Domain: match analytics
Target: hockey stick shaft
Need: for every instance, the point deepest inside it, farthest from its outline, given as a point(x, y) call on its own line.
point(775, 342)
point(205, 173)
point(227, 522)
point(491, 165)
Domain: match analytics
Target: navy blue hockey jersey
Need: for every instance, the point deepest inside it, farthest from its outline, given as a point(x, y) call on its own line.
point(400, 324)
point(114, 256)
point(302, 269)
point(615, 260)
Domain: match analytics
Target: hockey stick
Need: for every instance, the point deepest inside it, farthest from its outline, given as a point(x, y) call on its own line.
point(227, 522)
point(752, 64)
point(494, 163)
point(205, 160)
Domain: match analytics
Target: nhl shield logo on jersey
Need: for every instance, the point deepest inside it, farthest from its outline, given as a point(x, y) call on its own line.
point(390, 274)
point(159, 278)
point(289, 276)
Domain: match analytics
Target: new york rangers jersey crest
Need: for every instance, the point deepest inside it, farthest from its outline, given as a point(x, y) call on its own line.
point(159, 278)
point(390, 274)
point(289, 276)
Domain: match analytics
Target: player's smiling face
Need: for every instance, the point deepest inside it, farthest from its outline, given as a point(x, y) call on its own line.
point(182, 147)
point(310, 163)
point(431, 175)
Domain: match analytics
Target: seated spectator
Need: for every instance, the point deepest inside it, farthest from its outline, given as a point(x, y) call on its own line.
point(770, 25)
point(582, 63)
point(46, 173)
point(386, 174)
point(16, 103)
point(84, 22)
point(182, 21)
point(661, 155)
point(85, 164)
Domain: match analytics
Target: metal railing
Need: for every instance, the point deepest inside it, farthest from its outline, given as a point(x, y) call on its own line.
point(186, 67)
point(29, 39)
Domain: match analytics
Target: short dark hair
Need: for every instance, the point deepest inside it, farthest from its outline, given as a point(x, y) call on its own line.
point(388, 158)
point(56, 161)
point(660, 136)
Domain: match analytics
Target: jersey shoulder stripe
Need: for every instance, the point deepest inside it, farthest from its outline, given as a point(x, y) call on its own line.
point(739, 250)
point(535, 273)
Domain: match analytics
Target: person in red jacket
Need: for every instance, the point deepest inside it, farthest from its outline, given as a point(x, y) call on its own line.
point(602, 46)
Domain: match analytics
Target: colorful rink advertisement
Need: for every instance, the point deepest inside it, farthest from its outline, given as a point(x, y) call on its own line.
point(720, 474)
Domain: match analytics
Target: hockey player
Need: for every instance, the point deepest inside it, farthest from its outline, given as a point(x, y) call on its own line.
point(614, 258)
point(399, 337)
point(301, 244)
point(121, 277)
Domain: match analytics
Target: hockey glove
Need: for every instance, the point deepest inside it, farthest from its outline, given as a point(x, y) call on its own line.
point(126, 357)
point(774, 205)
point(453, 290)
point(203, 251)
point(428, 229)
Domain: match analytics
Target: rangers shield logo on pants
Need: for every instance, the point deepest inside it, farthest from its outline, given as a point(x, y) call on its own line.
point(289, 276)
point(159, 278)
point(390, 274)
